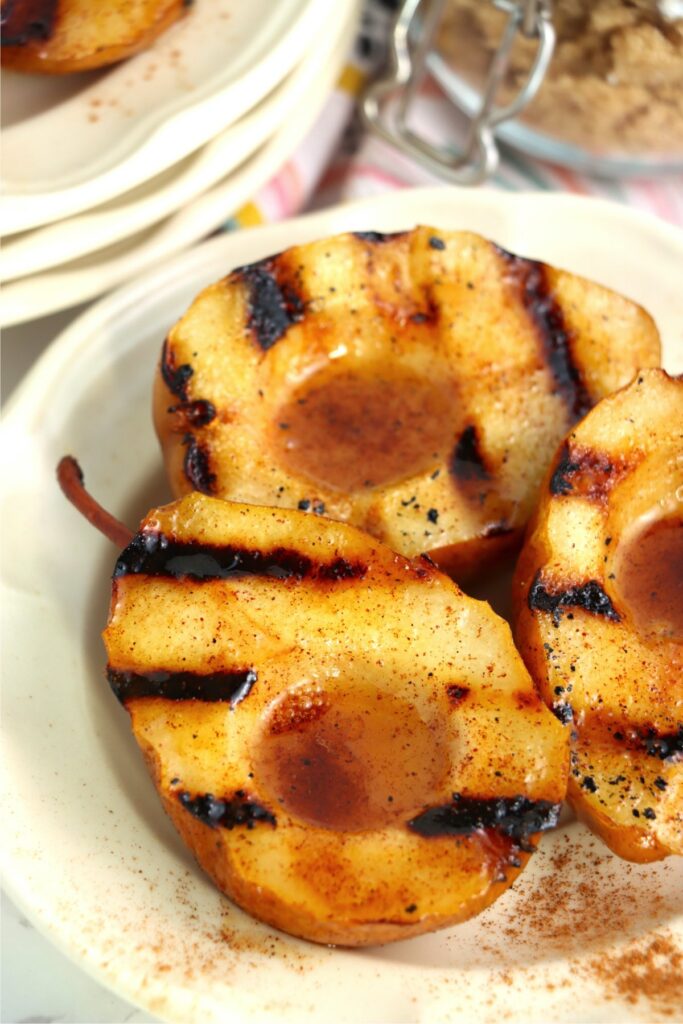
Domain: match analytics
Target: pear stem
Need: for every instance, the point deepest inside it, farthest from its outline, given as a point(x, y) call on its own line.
point(71, 481)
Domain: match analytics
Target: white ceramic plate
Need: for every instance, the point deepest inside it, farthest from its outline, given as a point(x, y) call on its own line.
point(89, 855)
point(41, 294)
point(94, 136)
point(66, 240)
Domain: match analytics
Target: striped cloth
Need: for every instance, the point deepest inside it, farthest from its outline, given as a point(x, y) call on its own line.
point(339, 161)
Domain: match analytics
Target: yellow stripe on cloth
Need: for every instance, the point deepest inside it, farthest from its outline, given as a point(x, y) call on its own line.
point(351, 80)
point(249, 216)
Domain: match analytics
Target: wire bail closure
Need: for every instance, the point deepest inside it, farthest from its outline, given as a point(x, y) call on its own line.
point(386, 104)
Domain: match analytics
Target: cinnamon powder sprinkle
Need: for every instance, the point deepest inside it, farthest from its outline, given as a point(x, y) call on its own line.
point(562, 904)
point(652, 971)
point(605, 920)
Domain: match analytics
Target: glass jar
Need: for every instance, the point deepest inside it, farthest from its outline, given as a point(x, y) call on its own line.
point(611, 101)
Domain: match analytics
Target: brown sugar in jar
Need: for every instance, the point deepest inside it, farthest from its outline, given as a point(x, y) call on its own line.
point(615, 82)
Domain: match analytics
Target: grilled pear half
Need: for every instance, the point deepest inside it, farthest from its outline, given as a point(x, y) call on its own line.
point(351, 747)
point(59, 36)
point(599, 613)
point(415, 385)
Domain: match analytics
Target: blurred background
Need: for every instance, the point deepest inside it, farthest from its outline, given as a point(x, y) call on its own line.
point(241, 116)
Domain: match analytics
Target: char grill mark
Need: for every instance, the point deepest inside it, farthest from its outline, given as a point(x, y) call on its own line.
point(274, 302)
point(531, 278)
point(377, 237)
point(563, 711)
point(23, 21)
point(340, 569)
point(585, 473)
point(467, 462)
point(152, 553)
point(229, 687)
point(175, 377)
point(228, 812)
point(664, 745)
point(197, 465)
point(560, 481)
point(590, 596)
point(197, 413)
point(515, 817)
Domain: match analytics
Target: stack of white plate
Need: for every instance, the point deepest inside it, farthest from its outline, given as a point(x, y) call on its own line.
point(104, 174)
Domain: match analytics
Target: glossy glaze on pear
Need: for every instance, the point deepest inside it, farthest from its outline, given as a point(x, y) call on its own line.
point(351, 747)
point(415, 385)
point(599, 613)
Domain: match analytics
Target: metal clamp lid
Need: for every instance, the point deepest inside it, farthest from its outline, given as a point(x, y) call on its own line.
point(386, 104)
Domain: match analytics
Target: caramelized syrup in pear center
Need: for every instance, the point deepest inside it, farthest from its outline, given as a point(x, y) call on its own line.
point(365, 427)
point(650, 576)
point(351, 759)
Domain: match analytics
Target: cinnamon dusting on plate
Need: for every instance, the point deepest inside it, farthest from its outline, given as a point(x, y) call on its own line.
point(650, 970)
point(578, 903)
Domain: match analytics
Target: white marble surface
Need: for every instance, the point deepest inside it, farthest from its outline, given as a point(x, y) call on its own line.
point(41, 985)
point(38, 983)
